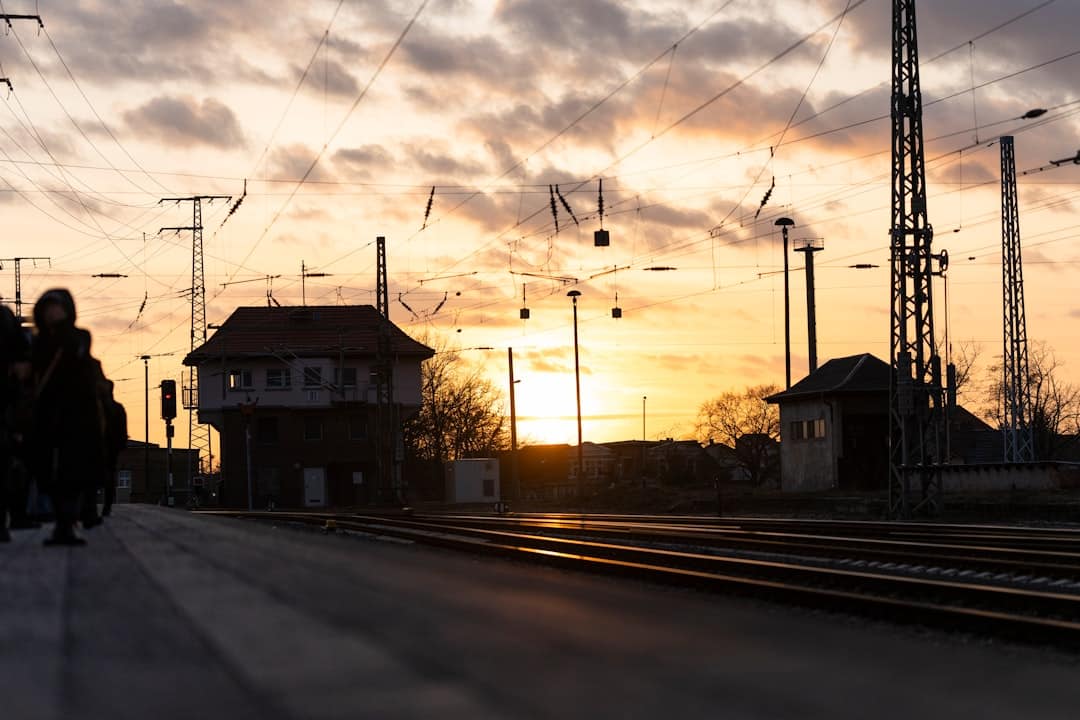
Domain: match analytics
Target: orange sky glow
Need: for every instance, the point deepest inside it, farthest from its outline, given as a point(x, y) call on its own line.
point(689, 110)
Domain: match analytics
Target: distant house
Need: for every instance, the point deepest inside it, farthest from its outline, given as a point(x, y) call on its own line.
point(728, 466)
point(142, 469)
point(294, 389)
point(549, 472)
point(834, 427)
point(683, 462)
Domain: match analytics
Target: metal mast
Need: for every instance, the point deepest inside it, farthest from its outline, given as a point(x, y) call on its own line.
point(915, 396)
point(198, 433)
point(387, 485)
point(1017, 429)
point(18, 280)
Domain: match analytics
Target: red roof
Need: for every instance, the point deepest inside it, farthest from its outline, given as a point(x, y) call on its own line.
point(303, 332)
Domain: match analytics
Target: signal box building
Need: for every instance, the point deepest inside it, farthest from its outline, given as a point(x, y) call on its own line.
point(292, 392)
point(834, 427)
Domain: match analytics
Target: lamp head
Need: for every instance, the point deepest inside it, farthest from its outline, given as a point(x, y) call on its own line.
point(784, 221)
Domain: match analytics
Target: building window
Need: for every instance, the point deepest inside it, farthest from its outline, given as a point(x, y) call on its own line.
point(312, 428)
point(278, 378)
point(345, 377)
point(266, 430)
point(798, 430)
point(808, 429)
point(312, 376)
point(239, 380)
point(357, 427)
point(123, 478)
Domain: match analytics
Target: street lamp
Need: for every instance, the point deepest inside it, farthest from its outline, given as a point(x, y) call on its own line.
point(513, 429)
point(643, 399)
point(573, 295)
point(785, 223)
point(146, 421)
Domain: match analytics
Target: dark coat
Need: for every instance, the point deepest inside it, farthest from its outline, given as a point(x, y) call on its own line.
point(67, 425)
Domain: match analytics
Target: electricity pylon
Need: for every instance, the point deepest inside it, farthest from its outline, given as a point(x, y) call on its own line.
point(198, 433)
point(915, 390)
point(1017, 429)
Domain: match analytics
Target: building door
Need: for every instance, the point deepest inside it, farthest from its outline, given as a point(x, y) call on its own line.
point(315, 487)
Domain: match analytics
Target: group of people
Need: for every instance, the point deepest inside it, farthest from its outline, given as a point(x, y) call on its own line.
point(62, 428)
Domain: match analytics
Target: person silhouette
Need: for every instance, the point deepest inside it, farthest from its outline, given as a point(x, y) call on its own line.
point(67, 424)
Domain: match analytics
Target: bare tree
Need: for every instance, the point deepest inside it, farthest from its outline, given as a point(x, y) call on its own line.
point(460, 413)
point(748, 424)
point(1055, 404)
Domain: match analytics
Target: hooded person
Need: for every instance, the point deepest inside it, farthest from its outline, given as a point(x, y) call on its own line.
point(66, 429)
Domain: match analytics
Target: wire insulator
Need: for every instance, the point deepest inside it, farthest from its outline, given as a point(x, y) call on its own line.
point(427, 210)
point(554, 210)
point(600, 202)
point(567, 206)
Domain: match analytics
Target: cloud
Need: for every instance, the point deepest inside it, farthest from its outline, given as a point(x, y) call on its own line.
point(361, 162)
point(185, 121)
point(290, 162)
point(329, 77)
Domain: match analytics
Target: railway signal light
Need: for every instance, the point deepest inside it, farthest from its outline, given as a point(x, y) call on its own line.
point(168, 399)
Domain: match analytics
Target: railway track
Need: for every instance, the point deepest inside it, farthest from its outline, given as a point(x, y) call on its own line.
point(1023, 583)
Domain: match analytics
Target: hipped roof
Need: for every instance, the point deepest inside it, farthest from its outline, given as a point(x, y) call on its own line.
point(853, 374)
point(303, 332)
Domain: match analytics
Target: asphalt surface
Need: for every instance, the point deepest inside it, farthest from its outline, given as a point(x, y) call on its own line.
point(171, 615)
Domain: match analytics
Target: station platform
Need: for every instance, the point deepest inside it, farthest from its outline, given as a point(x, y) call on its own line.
point(168, 614)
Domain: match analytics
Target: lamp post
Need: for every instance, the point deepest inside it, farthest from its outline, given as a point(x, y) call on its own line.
point(146, 421)
point(573, 295)
point(643, 399)
point(513, 429)
point(785, 223)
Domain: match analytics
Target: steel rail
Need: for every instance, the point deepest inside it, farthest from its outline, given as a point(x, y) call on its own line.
point(981, 557)
point(1018, 613)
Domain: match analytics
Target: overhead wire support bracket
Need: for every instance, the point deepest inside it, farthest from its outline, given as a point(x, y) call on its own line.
point(8, 17)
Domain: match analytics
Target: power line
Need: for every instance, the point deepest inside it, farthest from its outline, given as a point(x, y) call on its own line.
point(333, 135)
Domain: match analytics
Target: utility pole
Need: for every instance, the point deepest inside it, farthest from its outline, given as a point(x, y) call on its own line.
point(915, 391)
point(1017, 429)
point(513, 429)
point(146, 421)
point(304, 275)
point(18, 277)
point(784, 223)
point(198, 433)
point(385, 430)
point(809, 247)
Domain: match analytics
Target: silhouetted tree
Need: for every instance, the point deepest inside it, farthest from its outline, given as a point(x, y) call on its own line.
point(744, 421)
point(1055, 404)
point(460, 414)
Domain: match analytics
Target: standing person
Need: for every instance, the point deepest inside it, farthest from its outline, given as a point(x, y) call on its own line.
point(14, 351)
point(67, 425)
point(116, 437)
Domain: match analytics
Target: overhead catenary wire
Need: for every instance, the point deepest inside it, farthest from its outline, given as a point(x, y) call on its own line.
point(363, 93)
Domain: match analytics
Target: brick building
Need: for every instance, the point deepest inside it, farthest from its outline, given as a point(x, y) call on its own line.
point(294, 390)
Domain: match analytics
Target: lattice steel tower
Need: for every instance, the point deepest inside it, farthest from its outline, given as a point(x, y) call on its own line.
point(1016, 398)
point(915, 393)
point(387, 485)
point(198, 433)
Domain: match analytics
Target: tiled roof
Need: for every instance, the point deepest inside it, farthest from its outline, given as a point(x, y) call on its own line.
point(303, 332)
point(853, 374)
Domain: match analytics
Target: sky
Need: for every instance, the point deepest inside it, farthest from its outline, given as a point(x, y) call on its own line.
point(706, 121)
